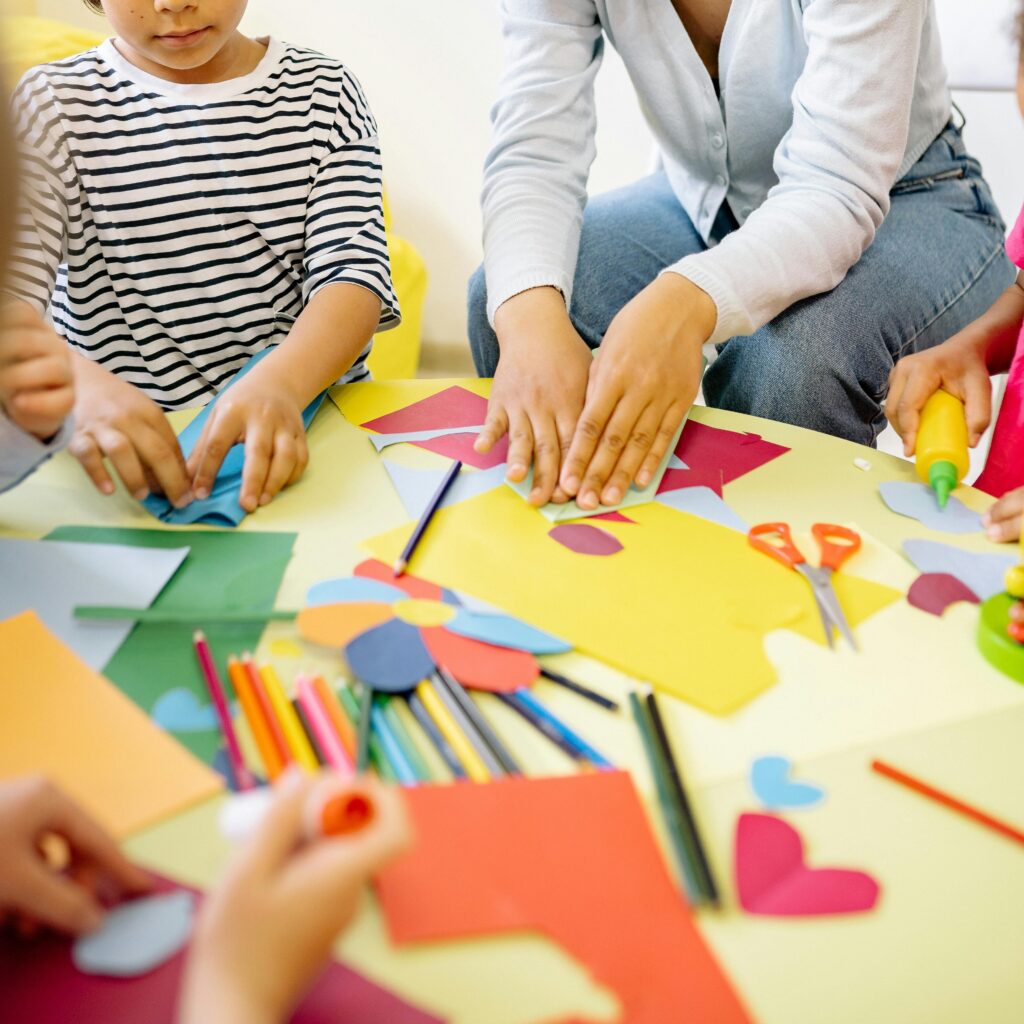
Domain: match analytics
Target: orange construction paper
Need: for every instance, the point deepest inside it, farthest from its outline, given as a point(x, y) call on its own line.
point(479, 665)
point(61, 719)
point(571, 857)
point(334, 625)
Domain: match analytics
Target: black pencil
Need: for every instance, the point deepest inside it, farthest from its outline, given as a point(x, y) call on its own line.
point(479, 722)
point(429, 726)
point(428, 514)
point(583, 691)
point(543, 727)
point(314, 743)
point(363, 726)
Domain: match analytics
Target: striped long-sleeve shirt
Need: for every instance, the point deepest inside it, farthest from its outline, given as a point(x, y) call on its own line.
point(176, 230)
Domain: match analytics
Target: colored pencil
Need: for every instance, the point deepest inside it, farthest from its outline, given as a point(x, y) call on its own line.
point(542, 726)
point(467, 727)
point(685, 855)
point(428, 514)
point(240, 680)
point(329, 699)
point(307, 730)
point(171, 616)
point(389, 706)
point(263, 698)
point(404, 771)
point(475, 767)
point(948, 801)
point(483, 727)
point(243, 777)
point(376, 756)
point(320, 722)
point(569, 735)
point(579, 688)
point(679, 795)
point(294, 734)
point(364, 728)
point(436, 737)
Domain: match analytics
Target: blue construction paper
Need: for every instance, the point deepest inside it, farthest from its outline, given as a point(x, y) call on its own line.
point(221, 508)
point(705, 504)
point(417, 486)
point(770, 781)
point(984, 574)
point(504, 631)
point(137, 937)
point(918, 501)
point(350, 589)
point(391, 657)
point(382, 441)
point(179, 710)
point(675, 462)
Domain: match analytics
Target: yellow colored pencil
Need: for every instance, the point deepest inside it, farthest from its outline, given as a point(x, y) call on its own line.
point(294, 734)
point(471, 761)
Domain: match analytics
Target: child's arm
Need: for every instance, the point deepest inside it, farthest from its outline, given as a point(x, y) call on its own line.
point(960, 366)
point(265, 932)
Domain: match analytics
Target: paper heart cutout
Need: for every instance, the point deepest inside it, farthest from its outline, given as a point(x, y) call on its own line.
point(770, 781)
point(179, 710)
point(773, 880)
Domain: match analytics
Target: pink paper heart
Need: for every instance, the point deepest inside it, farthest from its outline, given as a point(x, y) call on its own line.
point(772, 878)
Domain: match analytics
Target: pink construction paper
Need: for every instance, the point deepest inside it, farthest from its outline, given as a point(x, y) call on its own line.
point(934, 592)
point(612, 517)
point(773, 880)
point(679, 479)
point(712, 450)
point(585, 539)
point(460, 446)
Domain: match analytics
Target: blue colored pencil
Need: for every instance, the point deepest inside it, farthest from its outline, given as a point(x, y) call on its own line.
point(574, 739)
point(542, 725)
point(404, 771)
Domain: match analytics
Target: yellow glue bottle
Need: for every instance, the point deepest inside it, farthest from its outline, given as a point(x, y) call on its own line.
point(942, 455)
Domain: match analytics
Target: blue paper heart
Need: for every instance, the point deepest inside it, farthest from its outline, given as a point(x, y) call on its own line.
point(179, 710)
point(770, 781)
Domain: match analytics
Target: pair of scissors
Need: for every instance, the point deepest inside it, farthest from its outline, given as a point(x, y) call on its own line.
point(836, 544)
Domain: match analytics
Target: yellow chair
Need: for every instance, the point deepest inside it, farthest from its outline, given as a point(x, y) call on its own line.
point(29, 41)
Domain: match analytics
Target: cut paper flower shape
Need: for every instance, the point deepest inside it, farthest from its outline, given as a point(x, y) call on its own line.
point(396, 632)
point(585, 539)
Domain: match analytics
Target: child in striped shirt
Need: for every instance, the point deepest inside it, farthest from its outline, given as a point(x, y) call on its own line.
point(194, 196)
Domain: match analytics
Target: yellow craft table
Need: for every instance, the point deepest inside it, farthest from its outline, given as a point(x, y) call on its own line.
point(946, 941)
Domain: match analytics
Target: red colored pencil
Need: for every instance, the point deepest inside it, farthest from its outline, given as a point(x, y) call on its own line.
point(948, 801)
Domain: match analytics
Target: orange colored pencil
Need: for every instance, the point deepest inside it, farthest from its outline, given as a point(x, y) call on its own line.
point(272, 763)
point(337, 715)
point(284, 752)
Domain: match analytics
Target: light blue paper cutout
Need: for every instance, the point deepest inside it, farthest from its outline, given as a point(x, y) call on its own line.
point(505, 631)
point(382, 441)
point(391, 657)
point(984, 574)
point(918, 501)
point(221, 508)
point(179, 710)
point(770, 781)
point(137, 937)
point(416, 487)
point(349, 589)
point(704, 503)
point(675, 462)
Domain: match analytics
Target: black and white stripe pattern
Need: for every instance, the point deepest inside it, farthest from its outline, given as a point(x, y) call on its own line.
point(178, 230)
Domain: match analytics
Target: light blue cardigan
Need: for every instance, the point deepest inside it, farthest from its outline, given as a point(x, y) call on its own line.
point(825, 104)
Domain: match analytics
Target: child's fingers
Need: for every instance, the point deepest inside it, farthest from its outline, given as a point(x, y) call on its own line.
point(280, 832)
point(977, 404)
point(494, 429)
point(282, 465)
point(259, 453)
point(55, 901)
point(301, 458)
point(917, 390)
point(85, 449)
point(49, 404)
point(1003, 520)
point(520, 445)
point(161, 458)
point(37, 374)
point(120, 450)
point(222, 431)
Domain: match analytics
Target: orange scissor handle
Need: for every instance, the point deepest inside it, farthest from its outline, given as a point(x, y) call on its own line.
point(837, 544)
point(775, 540)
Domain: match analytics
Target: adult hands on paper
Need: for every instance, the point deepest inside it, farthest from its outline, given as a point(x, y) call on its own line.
point(267, 418)
point(539, 388)
point(1002, 521)
point(36, 381)
point(643, 381)
point(33, 890)
point(265, 932)
point(116, 421)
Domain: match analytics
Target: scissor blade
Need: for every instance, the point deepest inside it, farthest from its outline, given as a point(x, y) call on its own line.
point(817, 589)
point(828, 600)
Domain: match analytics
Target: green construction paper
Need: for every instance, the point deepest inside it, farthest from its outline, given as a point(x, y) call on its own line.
point(224, 571)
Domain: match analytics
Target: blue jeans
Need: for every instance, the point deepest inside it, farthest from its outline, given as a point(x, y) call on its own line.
point(936, 264)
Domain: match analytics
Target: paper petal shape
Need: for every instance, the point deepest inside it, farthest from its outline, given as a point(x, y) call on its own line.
point(770, 780)
point(137, 937)
point(772, 878)
point(336, 625)
point(180, 710)
point(481, 666)
point(585, 539)
point(410, 586)
point(505, 631)
point(934, 592)
point(705, 504)
point(982, 574)
point(918, 501)
point(351, 589)
point(391, 657)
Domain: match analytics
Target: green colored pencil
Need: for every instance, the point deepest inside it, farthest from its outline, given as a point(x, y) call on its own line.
point(351, 707)
point(404, 738)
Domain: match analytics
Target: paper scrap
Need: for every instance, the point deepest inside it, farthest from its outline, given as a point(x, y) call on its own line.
point(481, 666)
point(505, 631)
point(863, 465)
point(981, 573)
point(416, 487)
point(352, 589)
point(180, 710)
point(390, 657)
point(137, 936)
point(704, 503)
point(677, 479)
point(934, 592)
point(918, 501)
point(453, 407)
point(726, 452)
point(585, 539)
point(418, 437)
point(772, 783)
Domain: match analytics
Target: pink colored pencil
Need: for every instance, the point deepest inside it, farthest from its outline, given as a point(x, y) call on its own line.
point(320, 722)
point(242, 774)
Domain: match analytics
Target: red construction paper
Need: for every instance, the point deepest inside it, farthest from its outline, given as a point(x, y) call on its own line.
point(372, 569)
point(934, 592)
point(39, 984)
point(677, 479)
point(585, 539)
point(571, 857)
point(611, 517)
point(460, 446)
point(478, 665)
point(772, 878)
point(710, 449)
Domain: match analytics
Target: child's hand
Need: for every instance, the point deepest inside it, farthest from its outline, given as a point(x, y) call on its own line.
point(31, 889)
point(957, 366)
point(115, 420)
point(266, 931)
point(1002, 521)
point(36, 382)
point(269, 420)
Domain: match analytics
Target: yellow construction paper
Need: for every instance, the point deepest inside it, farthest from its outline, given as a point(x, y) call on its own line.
point(664, 609)
point(61, 719)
